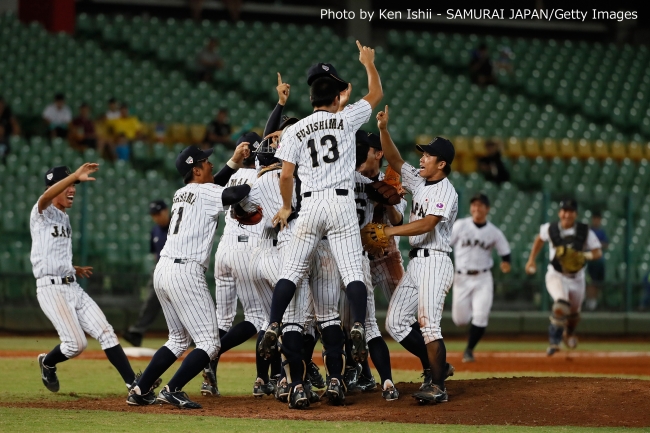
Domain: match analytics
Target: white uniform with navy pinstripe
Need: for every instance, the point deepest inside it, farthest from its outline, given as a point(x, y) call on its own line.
point(179, 278)
point(232, 270)
point(323, 146)
point(67, 305)
point(429, 275)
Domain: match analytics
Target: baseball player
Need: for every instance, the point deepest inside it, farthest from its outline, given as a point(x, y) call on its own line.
point(473, 239)
point(179, 278)
point(430, 272)
point(571, 243)
point(322, 146)
point(64, 302)
point(151, 307)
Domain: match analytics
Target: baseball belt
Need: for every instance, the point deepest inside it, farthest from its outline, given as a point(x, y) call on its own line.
point(472, 272)
point(68, 279)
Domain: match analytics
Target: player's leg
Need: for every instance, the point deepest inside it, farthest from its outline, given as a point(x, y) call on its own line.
point(435, 275)
point(148, 313)
point(483, 289)
point(559, 311)
point(94, 322)
point(461, 306)
point(58, 304)
point(576, 287)
point(352, 368)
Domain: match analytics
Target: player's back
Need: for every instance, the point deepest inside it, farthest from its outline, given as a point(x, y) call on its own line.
point(266, 193)
point(323, 146)
point(243, 176)
point(193, 222)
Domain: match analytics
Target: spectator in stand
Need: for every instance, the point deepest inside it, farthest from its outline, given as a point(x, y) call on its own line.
point(83, 134)
point(491, 165)
point(209, 60)
point(596, 268)
point(113, 111)
point(218, 131)
point(504, 61)
point(58, 116)
point(480, 66)
point(125, 129)
point(8, 126)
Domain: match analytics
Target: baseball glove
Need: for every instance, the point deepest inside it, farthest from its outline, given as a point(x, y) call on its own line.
point(246, 218)
point(373, 239)
point(392, 178)
point(570, 260)
point(383, 193)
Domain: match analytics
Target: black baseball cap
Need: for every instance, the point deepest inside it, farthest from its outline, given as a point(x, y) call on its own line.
point(325, 70)
point(55, 174)
point(440, 147)
point(361, 136)
point(569, 204)
point(253, 139)
point(362, 146)
point(287, 121)
point(189, 156)
point(480, 197)
point(156, 206)
point(374, 141)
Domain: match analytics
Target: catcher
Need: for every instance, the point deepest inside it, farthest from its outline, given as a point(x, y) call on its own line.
point(571, 245)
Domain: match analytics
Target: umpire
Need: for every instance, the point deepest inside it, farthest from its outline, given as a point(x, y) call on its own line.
point(160, 215)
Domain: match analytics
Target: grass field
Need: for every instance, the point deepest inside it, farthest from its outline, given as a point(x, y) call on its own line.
point(95, 379)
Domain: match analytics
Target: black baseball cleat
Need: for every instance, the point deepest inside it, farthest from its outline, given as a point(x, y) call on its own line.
point(334, 392)
point(282, 390)
point(48, 374)
point(260, 389)
point(359, 350)
point(133, 338)
point(431, 394)
point(311, 394)
point(366, 383)
point(298, 398)
point(426, 375)
point(468, 356)
point(552, 349)
point(314, 376)
point(351, 378)
point(135, 399)
point(389, 392)
point(155, 385)
point(176, 398)
point(209, 386)
point(269, 342)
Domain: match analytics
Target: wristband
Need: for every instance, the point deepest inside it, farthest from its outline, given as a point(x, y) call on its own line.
point(232, 164)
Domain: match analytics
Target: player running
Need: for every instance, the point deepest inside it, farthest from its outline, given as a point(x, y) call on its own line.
point(473, 239)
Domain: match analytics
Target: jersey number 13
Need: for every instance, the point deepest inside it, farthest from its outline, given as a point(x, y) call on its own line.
point(328, 140)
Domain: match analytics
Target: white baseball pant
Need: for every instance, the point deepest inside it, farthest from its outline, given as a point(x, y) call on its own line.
point(472, 299)
point(565, 288)
point(372, 329)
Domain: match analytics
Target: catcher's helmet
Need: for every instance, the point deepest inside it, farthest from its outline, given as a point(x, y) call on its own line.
point(265, 153)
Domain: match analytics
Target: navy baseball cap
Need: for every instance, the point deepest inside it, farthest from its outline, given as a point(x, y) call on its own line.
point(253, 139)
point(189, 156)
point(440, 147)
point(287, 121)
point(156, 206)
point(55, 174)
point(480, 197)
point(362, 146)
point(569, 204)
point(325, 70)
point(374, 141)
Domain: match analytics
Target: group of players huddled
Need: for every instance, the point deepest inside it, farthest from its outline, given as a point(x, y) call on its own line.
point(296, 201)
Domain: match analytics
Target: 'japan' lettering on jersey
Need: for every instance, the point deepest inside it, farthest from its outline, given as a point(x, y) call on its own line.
point(51, 242)
point(473, 245)
point(431, 198)
point(323, 146)
point(193, 222)
point(243, 176)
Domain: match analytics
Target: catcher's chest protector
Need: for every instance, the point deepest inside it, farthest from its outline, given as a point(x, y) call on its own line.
point(577, 241)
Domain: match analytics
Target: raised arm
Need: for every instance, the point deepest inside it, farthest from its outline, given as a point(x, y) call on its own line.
point(82, 175)
point(275, 119)
point(367, 59)
point(242, 151)
point(390, 150)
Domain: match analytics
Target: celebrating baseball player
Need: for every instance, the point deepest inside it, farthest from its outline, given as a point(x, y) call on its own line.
point(322, 146)
point(430, 272)
point(64, 302)
point(571, 245)
point(179, 278)
point(473, 239)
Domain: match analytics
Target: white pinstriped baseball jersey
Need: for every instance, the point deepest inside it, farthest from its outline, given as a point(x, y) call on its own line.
point(473, 245)
point(323, 146)
point(243, 176)
point(431, 198)
point(51, 242)
point(193, 222)
point(365, 206)
point(266, 193)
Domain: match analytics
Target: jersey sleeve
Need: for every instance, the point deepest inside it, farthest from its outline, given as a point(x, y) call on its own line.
point(357, 114)
point(442, 200)
point(501, 245)
point(543, 232)
point(211, 198)
point(592, 243)
point(288, 148)
point(411, 178)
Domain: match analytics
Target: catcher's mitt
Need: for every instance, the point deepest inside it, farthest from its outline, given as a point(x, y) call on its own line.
point(570, 260)
point(392, 178)
point(374, 239)
point(246, 218)
point(383, 193)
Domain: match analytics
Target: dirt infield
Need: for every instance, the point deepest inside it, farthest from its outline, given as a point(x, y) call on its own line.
point(629, 363)
point(547, 401)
